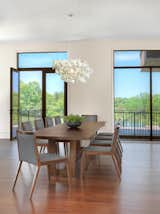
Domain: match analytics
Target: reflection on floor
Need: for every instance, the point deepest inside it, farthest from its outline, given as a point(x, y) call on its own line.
point(138, 191)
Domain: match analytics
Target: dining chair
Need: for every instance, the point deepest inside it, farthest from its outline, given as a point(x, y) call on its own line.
point(90, 117)
point(103, 150)
point(49, 122)
point(57, 120)
point(27, 126)
point(28, 152)
point(107, 140)
point(39, 124)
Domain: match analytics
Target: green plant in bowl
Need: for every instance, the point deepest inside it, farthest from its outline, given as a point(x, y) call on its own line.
point(73, 121)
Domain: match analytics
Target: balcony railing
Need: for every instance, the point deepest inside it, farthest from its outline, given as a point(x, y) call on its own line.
point(138, 123)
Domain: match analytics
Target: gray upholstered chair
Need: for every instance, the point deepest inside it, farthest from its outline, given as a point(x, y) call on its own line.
point(48, 122)
point(27, 126)
point(107, 140)
point(39, 124)
point(112, 151)
point(57, 120)
point(28, 152)
point(90, 117)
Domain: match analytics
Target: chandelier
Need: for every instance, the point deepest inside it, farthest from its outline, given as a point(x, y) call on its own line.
point(74, 70)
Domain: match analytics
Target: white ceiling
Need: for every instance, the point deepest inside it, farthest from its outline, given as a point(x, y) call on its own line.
point(49, 20)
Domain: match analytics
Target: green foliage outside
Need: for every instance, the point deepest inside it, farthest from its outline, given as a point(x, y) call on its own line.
point(137, 110)
point(31, 101)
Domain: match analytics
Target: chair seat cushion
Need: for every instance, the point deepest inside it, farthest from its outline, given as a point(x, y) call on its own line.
point(105, 134)
point(49, 157)
point(103, 137)
point(97, 149)
point(42, 142)
point(101, 142)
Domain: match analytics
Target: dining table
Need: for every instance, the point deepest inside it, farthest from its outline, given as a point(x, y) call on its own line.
point(73, 136)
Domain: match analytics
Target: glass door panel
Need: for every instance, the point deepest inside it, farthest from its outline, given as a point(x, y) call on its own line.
point(156, 102)
point(14, 105)
point(30, 95)
point(132, 101)
point(54, 95)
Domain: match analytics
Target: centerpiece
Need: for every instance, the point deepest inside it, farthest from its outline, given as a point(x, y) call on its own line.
point(73, 121)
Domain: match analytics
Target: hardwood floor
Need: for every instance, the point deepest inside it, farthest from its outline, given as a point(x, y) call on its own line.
point(138, 191)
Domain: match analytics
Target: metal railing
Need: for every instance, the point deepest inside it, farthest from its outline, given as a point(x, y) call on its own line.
point(138, 123)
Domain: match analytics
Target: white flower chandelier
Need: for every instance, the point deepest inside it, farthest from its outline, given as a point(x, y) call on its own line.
point(72, 71)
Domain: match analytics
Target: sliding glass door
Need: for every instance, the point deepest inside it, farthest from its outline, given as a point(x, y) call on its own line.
point(132, 101)
point(156, 102)
point(137, 92)
point(55, 95)
point(14, 103)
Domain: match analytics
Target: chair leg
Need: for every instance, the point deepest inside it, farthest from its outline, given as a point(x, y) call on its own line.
point(41, 149)
point(66, 149)
point(34, 182)
point(116, 166)
point(18, 170)
point(82, 166)
point(68, 173)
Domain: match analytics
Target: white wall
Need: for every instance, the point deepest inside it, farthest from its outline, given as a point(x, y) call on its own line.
point(93, 97)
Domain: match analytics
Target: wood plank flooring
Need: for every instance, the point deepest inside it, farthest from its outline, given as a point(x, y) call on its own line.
point(137, 193)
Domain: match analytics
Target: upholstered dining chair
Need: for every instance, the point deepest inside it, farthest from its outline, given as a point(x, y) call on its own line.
point(103, 150)
point(39, 124)
point(27, 126)
point(49, 122)
point(90, 117)
point(57, 121)
point(102, 138)
point(28, 152)
point(107, 140)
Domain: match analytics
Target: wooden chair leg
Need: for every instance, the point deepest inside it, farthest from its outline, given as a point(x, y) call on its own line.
point(116, 166)
point(34, 182)
point(41, 149)
point(66, 149)
point(82, 166)
point(68, 173)
point(18, 170)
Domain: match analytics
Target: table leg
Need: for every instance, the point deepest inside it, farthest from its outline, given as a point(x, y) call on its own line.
point(75, 156)
point(52, 148)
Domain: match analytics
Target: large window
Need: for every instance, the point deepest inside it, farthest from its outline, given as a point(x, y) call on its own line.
point(41, 91)
point(137, 92)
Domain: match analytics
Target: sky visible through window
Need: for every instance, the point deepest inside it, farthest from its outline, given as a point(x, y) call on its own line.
point(32, 60)
point(132, 82)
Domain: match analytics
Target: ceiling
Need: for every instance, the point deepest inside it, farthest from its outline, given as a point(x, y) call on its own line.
point(65, 20)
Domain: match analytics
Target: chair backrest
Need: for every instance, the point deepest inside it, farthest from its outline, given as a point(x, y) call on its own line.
point(115, 137)
point(26, 147)
point(90, 118)
point(39, 124)
point(57, 120)
point(48, 122)
point(27, 126)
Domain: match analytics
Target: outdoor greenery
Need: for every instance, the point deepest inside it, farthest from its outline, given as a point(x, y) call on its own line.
point(136, 110)
point(31, 102)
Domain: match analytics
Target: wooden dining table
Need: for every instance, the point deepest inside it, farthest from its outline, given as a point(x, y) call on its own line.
point(62, 133)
